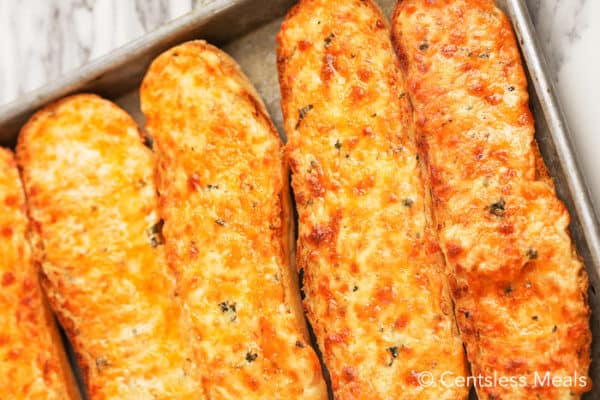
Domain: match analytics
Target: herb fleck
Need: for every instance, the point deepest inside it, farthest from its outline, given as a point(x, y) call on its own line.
point(532, 254)
point(355, 288)
point(394, 353)
point(328, 40)
point(302, 113)
point(210, 187)
point(337, 144)
point(535, 318)
point(511, 88)
point(498, 208)
point(555, 328)
point(229, 307)
point(508, 290)
point(250, 356)
point(221, 222)
point(408, 202)
point(155, 235)
point(299, 344)
point(424, 46)
point(226, 306)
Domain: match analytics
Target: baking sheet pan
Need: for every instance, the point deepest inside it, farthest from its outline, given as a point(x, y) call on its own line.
point(247, 30)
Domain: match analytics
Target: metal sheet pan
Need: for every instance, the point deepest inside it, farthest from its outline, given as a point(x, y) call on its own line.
point(247, 30)
point(554, 139)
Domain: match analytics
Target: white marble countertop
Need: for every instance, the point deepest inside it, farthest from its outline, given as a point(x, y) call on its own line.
point(39, 40)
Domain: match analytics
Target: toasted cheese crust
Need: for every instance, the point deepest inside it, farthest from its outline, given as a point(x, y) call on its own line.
point(33, 363)
point(376, 293)
point(224, 199)
point(92, 200)
point(518, 284)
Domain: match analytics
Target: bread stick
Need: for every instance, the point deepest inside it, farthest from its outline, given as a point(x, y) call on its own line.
point(517, 282)
point(33, 362)
point(376, 292)
point(92, 199)
point(224, 198)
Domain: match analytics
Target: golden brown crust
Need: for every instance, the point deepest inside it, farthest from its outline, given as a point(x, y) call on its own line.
point(517, 282)
point(92, 201)
point(376, 293)
point(224, 199)
point(33, 362)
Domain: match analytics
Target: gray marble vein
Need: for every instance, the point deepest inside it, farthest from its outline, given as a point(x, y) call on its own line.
point(559, 24)
point(569, 32)
point(40, 40)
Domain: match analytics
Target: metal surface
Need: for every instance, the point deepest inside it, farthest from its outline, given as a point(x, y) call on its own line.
point(231, 24)
point(554, 138)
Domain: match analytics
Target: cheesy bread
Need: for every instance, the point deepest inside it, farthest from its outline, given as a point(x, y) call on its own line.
point(518, 285)
point(33, 362)
point(225, 203)
point(376, 290)
point(91, 195)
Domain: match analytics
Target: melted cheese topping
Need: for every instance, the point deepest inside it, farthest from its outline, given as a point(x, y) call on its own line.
point(518, 284)
point(224, 193)
point(89, 183)
point(376, 292)
point(33, 364)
